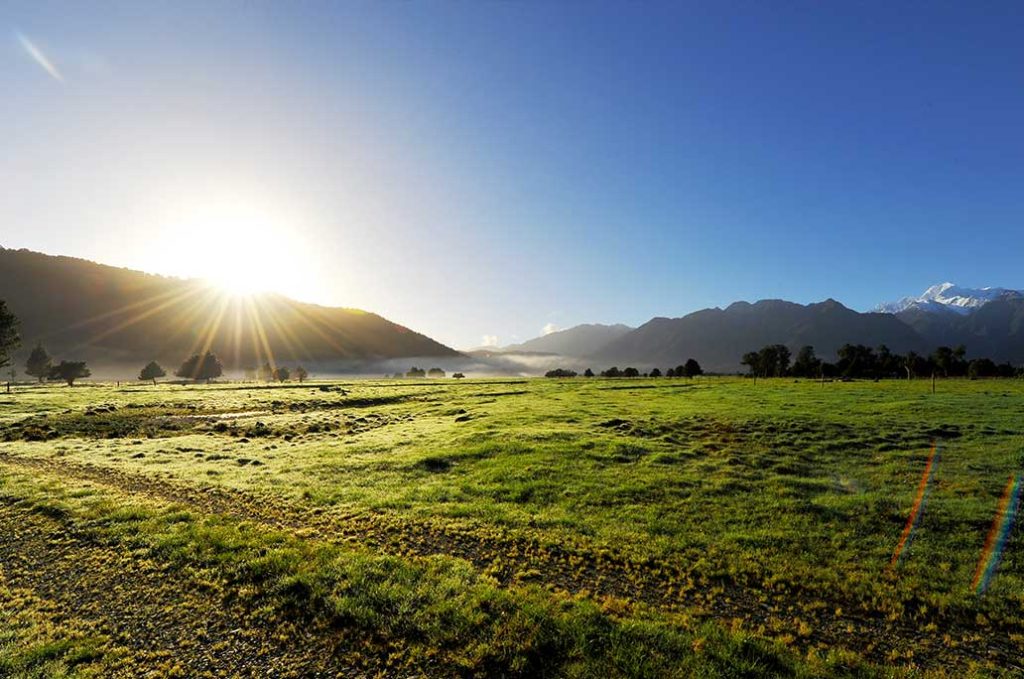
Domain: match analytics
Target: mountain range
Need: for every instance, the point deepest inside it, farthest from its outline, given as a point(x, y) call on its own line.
point(117, 318)
point(948, 297)
point(988, 321)
point(579, 340)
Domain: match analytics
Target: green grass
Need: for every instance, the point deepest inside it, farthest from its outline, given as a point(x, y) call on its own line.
point(638, 527)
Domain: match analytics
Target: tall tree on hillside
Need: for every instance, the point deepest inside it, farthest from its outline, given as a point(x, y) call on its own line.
point(152, 371)
point(282, 374)
point(692, 368)
point(69, 371)
point(38, 364)
point(205, 367)
point(9, 339)
point(301, 374)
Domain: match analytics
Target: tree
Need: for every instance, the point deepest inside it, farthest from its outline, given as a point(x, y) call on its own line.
point(38, 364)
point(671, 372)
point(416, 372)
point(775, 360)
point(282, 374)
point(807, 364)
point(631, 372)
point(692, 368)
point(458, 376)
point(611, 372)
point(982, 367)
point(435, 372)
point(655, 373)
point(588, 373)
point(265, 373)
point(301, 374)
point(950, 362)
point(152, 371)
point(204, 367)
point(752, 359)
point(69, 371)
point(888, 363)
point(9, 339)
point(915, 365)
point(857, 360)
point(560, 372)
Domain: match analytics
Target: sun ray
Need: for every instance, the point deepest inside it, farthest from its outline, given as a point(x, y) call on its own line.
point(186, 319)
point(260, 332)
point(212, 326)
point(137, 318)
point(292, 342)
point(300, 314)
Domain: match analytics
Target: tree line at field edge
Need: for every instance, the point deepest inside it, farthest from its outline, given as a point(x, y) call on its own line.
point(689, 369)
point(857, 361)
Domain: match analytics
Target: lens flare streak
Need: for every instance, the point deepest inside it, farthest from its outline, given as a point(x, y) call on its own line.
point(40, 58)
point(998, 536)
point(918, 508)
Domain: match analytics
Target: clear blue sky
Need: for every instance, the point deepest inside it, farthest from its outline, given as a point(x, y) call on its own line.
point(478, 169)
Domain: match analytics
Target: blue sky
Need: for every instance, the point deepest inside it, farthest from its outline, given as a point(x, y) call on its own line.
point(477, 169)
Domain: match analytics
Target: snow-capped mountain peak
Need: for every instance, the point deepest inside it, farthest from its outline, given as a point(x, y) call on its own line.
point(948, 297)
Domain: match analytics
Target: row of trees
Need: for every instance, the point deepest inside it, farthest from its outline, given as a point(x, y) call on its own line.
point(197, 367)
point(419, 373)
point(860, 361)
point(689, 369)
point(40, 365)
point(268, 373)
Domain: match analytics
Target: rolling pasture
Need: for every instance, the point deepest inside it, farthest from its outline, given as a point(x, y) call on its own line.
point(663, 527)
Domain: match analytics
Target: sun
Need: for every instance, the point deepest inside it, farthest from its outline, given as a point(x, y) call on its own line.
point(242, 250)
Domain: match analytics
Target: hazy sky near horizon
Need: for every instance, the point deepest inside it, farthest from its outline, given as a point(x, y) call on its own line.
point(489, 169)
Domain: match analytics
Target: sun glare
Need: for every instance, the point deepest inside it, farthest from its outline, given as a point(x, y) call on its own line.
point(243, 251)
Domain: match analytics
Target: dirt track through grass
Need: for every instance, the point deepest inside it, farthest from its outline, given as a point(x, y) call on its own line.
point(153, 620)
point(802, 618)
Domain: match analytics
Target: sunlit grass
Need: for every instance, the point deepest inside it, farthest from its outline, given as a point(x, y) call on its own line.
point(769, 510)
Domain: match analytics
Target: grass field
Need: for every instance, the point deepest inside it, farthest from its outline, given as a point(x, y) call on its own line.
point(507, 527)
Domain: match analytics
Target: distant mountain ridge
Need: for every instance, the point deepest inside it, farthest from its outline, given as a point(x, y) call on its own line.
point(111, 316)
point(718, 338)
point(579, 340)
point(948, 297)
point(989, 321)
